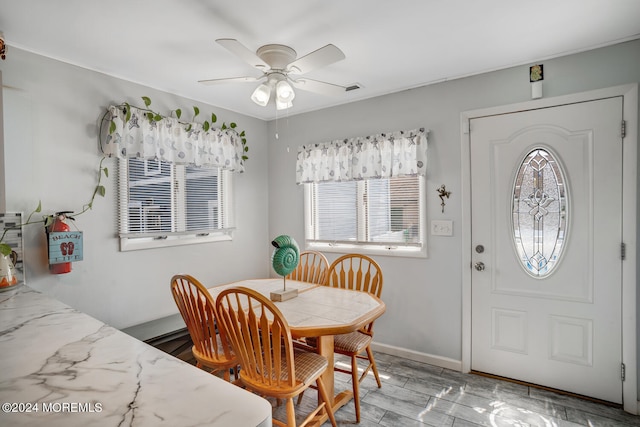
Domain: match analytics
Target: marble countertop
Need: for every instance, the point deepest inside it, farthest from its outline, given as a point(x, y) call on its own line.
point(60, 367)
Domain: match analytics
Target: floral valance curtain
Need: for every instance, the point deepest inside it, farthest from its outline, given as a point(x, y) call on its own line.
point(402, 153)
point(170, 141)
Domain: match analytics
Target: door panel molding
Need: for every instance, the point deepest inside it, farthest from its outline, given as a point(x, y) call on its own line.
point(563, 333)
point(629, 210)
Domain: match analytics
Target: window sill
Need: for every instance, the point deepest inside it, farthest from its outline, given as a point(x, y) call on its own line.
point(344, 248)
point(139, 243)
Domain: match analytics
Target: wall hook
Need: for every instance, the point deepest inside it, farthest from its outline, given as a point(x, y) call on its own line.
point(442, 193)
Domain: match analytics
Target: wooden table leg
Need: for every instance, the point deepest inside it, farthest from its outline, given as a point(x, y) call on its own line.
point(325, 348)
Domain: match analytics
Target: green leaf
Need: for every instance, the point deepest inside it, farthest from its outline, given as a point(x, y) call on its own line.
point(112, 127)
point(244, 141)
point(245, 158)
point(242, 134)
point(150, 116)
point(224, 126)
point(39, 208)
point(106, 172)
point(128, 114)
point(188, 128)
point(246, 149)
point(178, 113)
point(233, 125)
point(196, 111)
point(157, 117)
point(205, 126)
point(213, 118)
point(147, 100)
point(101, 190)
point(5, 249)
point(48, 221)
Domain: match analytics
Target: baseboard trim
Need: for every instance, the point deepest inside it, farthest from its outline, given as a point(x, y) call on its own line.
point(156, 328)
point(440, 361)
point(169, 336)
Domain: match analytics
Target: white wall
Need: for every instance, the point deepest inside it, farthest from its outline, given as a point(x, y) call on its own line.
point(423, 296)
point(51, 112)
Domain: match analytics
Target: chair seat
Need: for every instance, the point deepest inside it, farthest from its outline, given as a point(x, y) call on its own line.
point(309, 366)
point(352, 343)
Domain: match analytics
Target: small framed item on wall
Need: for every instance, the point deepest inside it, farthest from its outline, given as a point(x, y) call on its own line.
point(65, 245)
point(11, 228)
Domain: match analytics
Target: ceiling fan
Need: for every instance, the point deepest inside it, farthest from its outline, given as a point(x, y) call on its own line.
point(278, 63)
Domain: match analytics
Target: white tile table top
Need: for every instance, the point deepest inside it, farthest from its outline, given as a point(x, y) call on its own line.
point(317, 310)
point(81, 372)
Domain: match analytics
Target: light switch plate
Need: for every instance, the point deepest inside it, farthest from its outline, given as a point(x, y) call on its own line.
point(442, 227)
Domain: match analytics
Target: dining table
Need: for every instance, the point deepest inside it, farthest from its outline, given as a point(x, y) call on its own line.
point(321, 312)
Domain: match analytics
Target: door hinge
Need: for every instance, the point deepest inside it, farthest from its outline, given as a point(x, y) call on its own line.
point(623, 251)
point(623, 129)
point(623, 373)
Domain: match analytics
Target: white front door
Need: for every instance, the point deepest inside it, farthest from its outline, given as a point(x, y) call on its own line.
point(546, 235)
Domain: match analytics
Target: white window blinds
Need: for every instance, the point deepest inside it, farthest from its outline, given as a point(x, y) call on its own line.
point(383, 213)
point(159, 199)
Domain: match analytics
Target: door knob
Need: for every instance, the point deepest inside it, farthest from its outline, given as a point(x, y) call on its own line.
point(479, 266)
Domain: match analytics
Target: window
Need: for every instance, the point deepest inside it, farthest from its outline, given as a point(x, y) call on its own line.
point(164, 204)
point(540, 211)
point(375, 216)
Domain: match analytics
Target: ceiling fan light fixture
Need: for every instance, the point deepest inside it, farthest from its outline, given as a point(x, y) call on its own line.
point(283, 105)
point(276, 62)
point(284, 92)
point(261, 95)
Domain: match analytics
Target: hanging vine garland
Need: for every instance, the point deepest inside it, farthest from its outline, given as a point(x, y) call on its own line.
point(121, 115)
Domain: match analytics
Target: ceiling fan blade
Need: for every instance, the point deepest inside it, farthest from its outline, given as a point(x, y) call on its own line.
point(318, 58)
point(237, 48)
point(317, 86)
point(230, 80)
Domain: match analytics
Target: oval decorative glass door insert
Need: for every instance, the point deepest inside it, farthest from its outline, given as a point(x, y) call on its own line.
point(539, 209)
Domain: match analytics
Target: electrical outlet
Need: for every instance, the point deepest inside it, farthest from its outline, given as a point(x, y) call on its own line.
point(442, 228)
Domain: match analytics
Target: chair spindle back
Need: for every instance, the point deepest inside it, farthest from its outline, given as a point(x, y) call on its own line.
point(260, 337)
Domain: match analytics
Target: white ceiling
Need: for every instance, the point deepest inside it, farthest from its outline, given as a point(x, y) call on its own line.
point(389, 46)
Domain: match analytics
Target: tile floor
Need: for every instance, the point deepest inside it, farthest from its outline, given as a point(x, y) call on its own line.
point(417, 394)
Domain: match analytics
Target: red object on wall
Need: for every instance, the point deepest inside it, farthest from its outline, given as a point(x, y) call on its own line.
point(60, 225)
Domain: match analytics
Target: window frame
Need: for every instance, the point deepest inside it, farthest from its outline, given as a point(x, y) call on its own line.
point(367, 248)
point(139, 241)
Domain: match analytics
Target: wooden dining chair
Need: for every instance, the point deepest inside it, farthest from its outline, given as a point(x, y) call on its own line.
point(269, 364)
point(211, 350)
point(312, 268)
point(359, 273)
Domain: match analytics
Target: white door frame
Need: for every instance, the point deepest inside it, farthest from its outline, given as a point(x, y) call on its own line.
point(629, 219)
